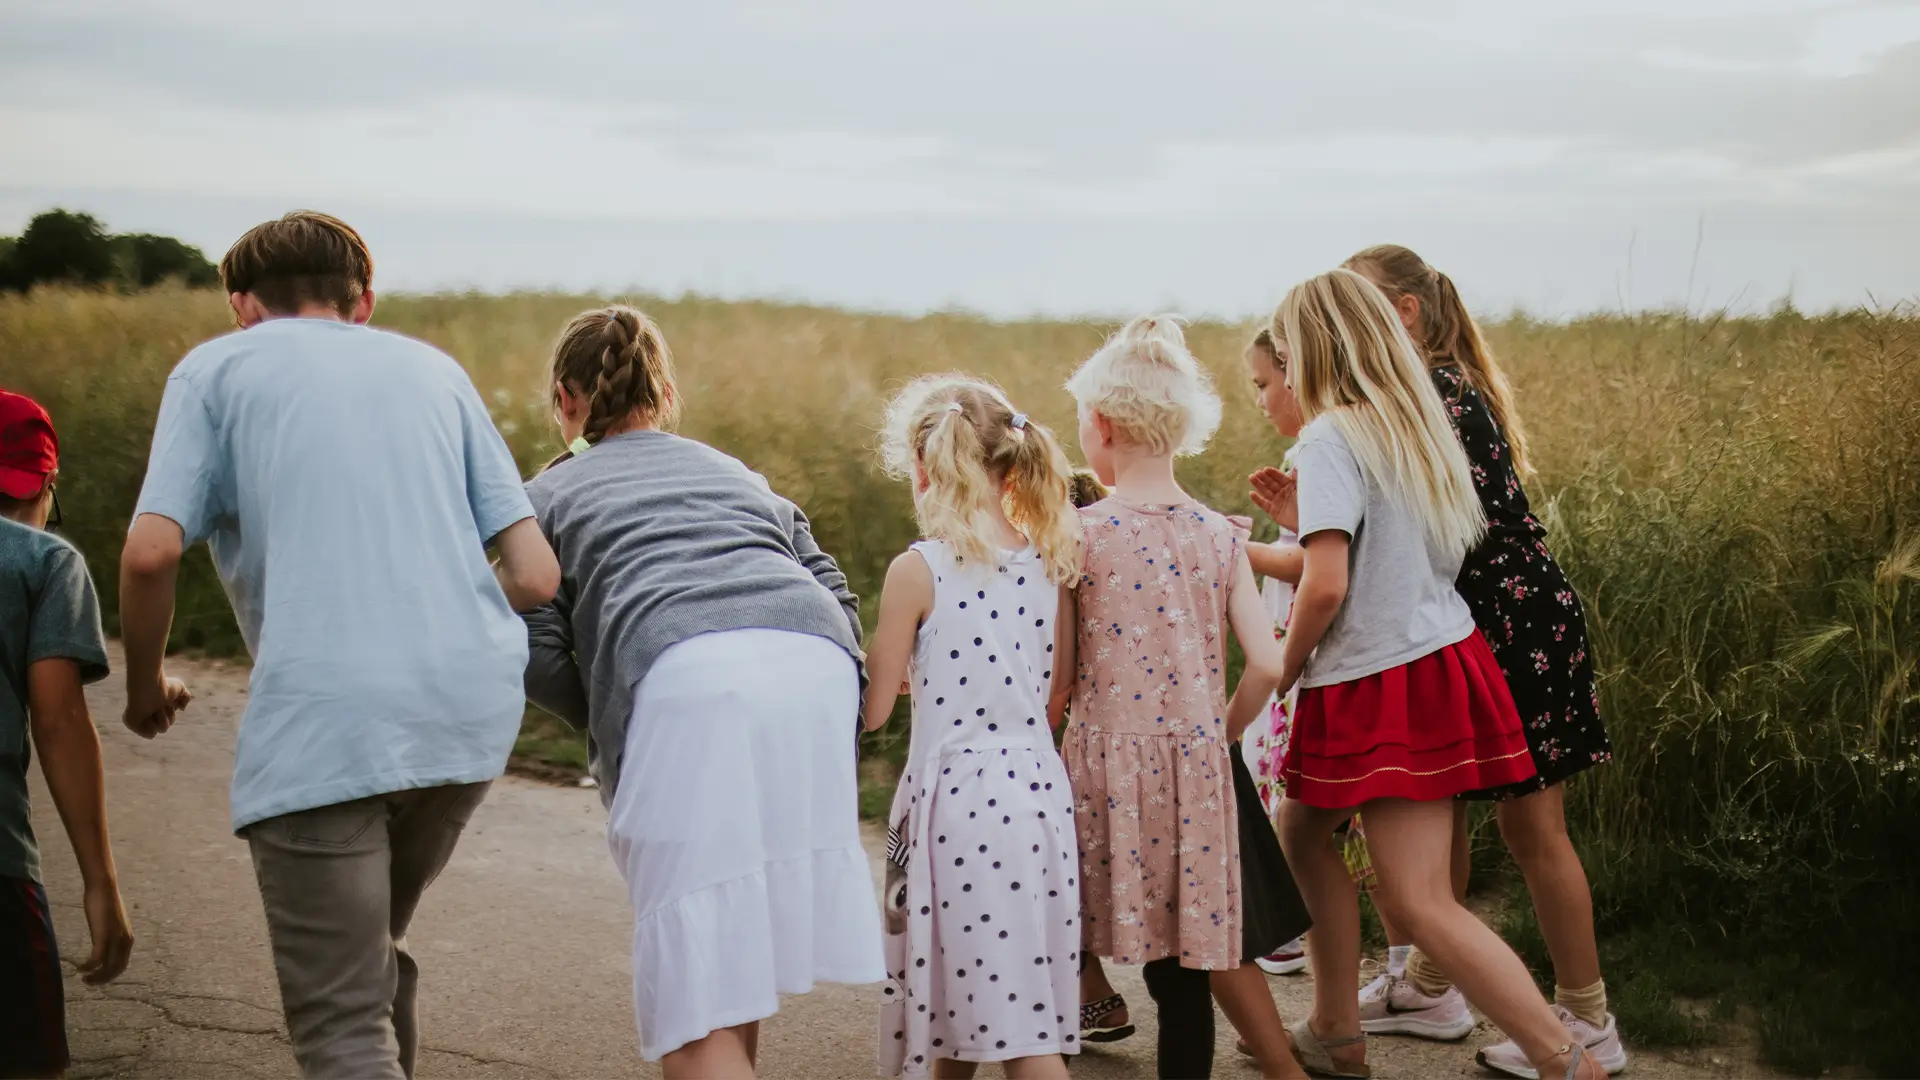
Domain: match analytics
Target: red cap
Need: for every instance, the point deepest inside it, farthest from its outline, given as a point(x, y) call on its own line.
point(29, 450)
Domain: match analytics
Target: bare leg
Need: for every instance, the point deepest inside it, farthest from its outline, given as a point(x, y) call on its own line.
point(1410, 844)
point(1462, 866)
point(751, 1032)
point(1244, 997)
point(1387, 925)
point(721, 1055)
point(1535, 829)
point(949, 1069)
point(1460, 869)
point(1037, 1067)
point(1333, 945)
point(1094, 986)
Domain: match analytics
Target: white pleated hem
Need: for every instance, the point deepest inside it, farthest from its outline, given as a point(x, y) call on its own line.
point(723, 955)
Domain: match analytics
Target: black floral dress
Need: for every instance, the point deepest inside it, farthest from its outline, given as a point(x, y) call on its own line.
point(1524, 606)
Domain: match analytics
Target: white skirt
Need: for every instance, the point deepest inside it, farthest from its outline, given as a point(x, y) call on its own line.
point(737, 827)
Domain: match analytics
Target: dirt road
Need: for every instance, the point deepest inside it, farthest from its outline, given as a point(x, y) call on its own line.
point(522, 943)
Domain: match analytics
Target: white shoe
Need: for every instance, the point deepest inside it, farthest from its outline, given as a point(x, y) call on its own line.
point(1603, 1046)
point(1288, 959)
point(1393, 1006)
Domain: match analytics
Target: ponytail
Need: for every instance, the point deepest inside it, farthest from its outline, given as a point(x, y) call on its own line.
point(979, 456)
point(1040, 498)
point(1447, 331)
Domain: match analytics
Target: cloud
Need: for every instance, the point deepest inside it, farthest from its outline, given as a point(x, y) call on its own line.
point(1496, 119)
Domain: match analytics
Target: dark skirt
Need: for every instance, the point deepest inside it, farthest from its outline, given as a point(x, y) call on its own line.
point(1271, 910)
point(1532, 619)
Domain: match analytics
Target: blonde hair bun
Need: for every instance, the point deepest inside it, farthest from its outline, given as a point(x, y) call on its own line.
point(1148, 384)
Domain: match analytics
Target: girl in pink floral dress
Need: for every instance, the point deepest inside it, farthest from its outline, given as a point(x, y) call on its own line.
point(1147, 748)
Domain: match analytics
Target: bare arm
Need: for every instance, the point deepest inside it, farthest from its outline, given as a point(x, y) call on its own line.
point(149, 566)
point(1323, 588)
point(1280, 561)
point(905, 601)
point(69, 749)
point(1253, 626)
point(528, 572)
point(1065, 664)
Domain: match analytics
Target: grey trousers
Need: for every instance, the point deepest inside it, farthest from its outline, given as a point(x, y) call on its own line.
point(340, 884)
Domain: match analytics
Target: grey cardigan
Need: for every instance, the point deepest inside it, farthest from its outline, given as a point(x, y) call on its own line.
point(660, 539)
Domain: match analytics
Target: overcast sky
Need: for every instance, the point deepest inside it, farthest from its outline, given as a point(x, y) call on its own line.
point(1011, 157)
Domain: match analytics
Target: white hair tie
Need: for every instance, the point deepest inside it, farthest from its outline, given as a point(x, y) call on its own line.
point(1019, 421)
point(954, 406)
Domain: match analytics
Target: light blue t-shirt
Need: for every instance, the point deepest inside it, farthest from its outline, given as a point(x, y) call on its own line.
point(347, 480)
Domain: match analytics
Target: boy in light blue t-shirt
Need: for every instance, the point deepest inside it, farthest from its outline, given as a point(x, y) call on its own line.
point(349, 482)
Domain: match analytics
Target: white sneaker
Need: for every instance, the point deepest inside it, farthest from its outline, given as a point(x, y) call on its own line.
point(1394, 1006)
point(1603, 1046)
point(1288, 959)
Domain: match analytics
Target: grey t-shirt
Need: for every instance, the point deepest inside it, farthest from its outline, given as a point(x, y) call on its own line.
point(48, 611)
point(661, 539)
point(1401, 604)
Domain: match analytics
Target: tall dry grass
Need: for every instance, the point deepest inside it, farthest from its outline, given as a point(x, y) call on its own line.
point(1738, 501)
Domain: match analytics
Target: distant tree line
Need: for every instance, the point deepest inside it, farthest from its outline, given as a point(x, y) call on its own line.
point(60, 247)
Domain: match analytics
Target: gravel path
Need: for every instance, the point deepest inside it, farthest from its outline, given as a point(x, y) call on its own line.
point(523, 942)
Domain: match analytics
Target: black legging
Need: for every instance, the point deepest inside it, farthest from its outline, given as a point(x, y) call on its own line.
point(1184, 997)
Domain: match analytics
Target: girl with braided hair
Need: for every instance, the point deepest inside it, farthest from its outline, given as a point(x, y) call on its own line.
point(712, 652)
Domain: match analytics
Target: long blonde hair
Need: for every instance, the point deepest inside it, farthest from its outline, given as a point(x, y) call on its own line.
point(1447, 332)
point(1149, 386)
point(979, 453)
point(1354, 363)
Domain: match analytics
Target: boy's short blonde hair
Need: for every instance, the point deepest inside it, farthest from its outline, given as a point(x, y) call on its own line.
point(1150, 387)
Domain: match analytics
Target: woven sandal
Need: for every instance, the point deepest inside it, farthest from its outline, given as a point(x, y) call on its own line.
point(1093, 1012)
point(1313, 1053)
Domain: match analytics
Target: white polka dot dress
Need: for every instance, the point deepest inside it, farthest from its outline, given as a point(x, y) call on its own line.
point(983, 897)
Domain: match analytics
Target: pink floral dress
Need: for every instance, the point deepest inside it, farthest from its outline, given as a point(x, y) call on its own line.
point(1146, 751)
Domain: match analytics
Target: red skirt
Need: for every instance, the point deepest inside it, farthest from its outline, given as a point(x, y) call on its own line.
point(1428, 729)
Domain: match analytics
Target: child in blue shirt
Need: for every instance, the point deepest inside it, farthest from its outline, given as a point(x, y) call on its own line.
point(349, 481)
point(50, 644)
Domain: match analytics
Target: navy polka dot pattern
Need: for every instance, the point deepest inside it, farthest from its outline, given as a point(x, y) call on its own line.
point(983, 919)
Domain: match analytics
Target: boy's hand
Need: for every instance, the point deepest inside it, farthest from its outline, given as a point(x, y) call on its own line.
point(1277, 493)
point(151, 706)
point(112, 934)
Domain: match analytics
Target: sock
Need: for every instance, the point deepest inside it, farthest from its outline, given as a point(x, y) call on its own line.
point(1397, 960)
point(1589, 1003)
point(1426, 976)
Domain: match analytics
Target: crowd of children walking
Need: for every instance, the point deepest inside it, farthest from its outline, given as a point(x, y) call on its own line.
point(402, 592)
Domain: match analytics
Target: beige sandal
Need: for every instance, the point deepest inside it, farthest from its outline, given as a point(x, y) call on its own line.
point(1314, 1054)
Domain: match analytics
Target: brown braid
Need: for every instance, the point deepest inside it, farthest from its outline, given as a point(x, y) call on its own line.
point(617, 358)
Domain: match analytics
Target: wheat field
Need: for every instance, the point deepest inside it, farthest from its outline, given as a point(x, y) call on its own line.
point(1737, 500)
